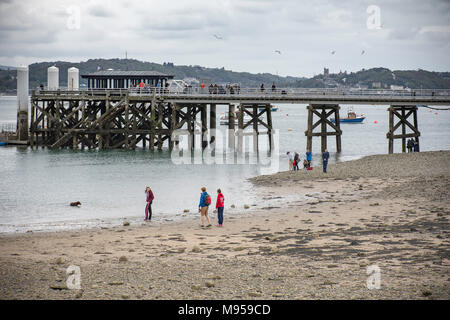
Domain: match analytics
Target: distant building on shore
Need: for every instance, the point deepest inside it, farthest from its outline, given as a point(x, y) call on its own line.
point(115, 79)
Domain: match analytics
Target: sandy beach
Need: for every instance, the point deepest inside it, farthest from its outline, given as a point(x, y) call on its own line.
point(389, 211)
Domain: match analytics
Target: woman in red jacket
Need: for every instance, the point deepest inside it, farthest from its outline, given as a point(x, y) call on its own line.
point(148, 207)
point(219, 206)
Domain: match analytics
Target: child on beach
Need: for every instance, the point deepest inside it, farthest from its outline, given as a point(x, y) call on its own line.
point(220, 206)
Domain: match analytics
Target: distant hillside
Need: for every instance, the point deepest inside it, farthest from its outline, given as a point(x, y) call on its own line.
point(7, 68)
point(38, 73)
point(371, 78)
point(380, 78)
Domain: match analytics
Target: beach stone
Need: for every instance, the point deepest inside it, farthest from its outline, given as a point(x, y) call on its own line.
point(426, 293)
point(123, 259)
point(196, 249)
point(210, 284)
point(59, 260)
point(246, 206)
point(58, 287)
point(196, 287)
point(254, 294)
point(125, 296)
point(233, 206)
point(126, 224)
point(186, 210)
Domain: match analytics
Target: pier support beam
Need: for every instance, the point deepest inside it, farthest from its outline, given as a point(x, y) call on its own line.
point(326, 110)
point(212, 122)
point(402, 113)
point(231, 126)
point(204, 123)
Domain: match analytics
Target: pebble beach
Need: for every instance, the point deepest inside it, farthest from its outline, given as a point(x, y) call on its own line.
point(320, 242)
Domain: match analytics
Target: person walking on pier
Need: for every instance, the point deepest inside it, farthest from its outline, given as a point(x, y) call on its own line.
point(274, 88)
point(148, 207)
point(220, 204)
point(325, 157)
point(205, 201)
point(262, 87)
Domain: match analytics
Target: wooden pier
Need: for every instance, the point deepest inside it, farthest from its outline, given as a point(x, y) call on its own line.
point(114, 119)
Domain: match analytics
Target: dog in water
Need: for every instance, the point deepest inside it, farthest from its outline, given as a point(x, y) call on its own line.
point(75, 204)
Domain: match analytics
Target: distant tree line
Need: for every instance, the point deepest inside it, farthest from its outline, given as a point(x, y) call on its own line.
point(368, 78)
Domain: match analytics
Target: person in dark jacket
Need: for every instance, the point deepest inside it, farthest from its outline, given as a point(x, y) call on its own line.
point(296, 161)
point(410, 145)
point(148, 207)
point(416, 146)
point(325, 157)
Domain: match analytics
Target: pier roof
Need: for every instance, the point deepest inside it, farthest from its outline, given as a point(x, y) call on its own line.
point(122, 74)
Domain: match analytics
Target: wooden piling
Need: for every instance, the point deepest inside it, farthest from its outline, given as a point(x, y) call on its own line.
point(231, 126)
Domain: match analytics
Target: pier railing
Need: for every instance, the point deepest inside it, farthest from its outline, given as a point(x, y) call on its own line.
point(290, 92)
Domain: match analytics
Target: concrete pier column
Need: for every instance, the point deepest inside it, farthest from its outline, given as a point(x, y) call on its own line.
point(22, 103)
point(212, 122)
point(231, 117)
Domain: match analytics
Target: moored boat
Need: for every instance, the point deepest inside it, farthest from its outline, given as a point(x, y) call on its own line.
point(352, 117)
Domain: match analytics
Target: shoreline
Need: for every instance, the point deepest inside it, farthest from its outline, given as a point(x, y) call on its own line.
point(316, 247)
point(101, 223)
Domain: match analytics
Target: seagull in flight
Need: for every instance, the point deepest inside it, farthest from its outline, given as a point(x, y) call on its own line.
point(217, 37)
point(362, 52)
point(333, 52)
point(278, 51)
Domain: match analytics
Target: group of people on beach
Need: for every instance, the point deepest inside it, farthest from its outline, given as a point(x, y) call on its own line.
point(412, 145)
point(294, 160)
point(203, 206)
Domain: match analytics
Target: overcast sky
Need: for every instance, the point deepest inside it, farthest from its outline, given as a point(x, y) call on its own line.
point(240, 35)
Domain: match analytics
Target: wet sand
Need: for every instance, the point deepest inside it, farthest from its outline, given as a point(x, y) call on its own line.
point(315, 241)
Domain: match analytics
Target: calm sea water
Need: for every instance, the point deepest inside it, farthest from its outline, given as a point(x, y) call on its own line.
point(36, 186)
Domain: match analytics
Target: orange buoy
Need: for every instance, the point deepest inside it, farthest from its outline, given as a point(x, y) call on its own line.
point(375, 121)
point(141, 85)
point(287, 114)
point(435, 113)
point(202, 85)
